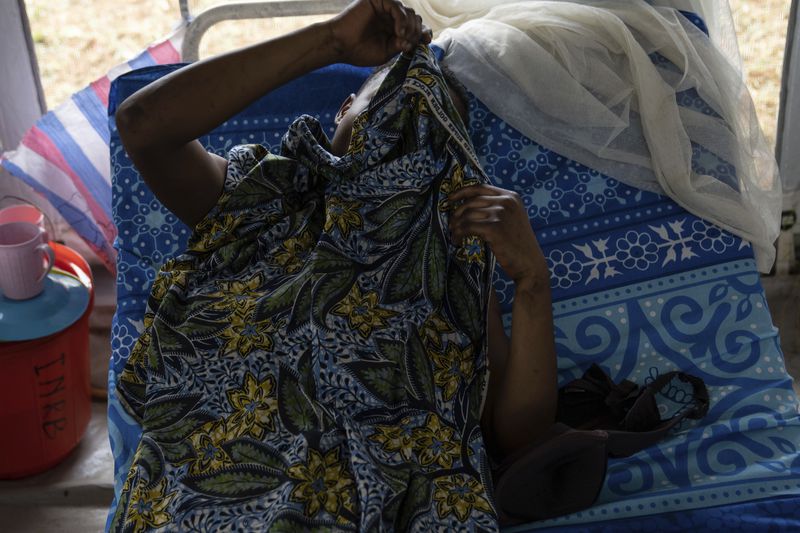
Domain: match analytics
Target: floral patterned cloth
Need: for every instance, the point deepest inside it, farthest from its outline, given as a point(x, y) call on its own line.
point(316, 360)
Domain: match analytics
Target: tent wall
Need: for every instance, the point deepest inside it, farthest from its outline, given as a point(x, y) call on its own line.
point(22, 100)
point(789, 121)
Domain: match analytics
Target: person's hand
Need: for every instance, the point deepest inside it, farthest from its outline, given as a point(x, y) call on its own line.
point(499, 218)
point(370, 32)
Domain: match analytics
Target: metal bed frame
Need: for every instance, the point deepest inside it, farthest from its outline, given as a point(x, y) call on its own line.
point(196, 26)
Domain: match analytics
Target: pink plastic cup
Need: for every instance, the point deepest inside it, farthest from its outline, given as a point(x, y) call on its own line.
point(23, 252)
point(24, 213)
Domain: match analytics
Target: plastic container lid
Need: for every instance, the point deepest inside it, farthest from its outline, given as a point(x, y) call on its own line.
point(61, 303)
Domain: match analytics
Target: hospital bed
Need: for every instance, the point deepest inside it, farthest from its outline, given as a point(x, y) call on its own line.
point(640, 287)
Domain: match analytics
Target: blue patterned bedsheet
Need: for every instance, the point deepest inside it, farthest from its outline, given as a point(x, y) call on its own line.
point(642, 287)
point(639, 286)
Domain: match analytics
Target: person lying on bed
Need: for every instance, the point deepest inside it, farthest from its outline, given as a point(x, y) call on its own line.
point(318, 357)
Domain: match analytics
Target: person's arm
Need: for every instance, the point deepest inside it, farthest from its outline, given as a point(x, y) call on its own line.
point(160, 123)
point(527, 395)
point(499, 348)
point(522, 393)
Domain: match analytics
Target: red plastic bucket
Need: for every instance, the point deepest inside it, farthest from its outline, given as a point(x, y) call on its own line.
point(45, 392)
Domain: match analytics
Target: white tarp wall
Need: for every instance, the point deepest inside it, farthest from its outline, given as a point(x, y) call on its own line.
point(22, 102)
point(789, 122)
point(21, 97)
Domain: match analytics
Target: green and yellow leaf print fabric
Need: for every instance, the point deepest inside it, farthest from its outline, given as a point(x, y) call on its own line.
point(316, 359)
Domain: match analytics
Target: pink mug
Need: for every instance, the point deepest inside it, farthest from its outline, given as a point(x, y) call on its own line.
point(24, 213)
point(22, 254)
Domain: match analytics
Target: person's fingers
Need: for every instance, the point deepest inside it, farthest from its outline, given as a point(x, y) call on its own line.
point(482, 213)
point(411, 35)
point(483, 229)
point(388, 14)
point(382, 8)
point(408, 22)
point(401, 27)
point(475, 202)
point(484, 222)
point(417, 24)
point(398, 15)
point(407, 27)
point(473, 190)
point(427, 34)
point(388, 11)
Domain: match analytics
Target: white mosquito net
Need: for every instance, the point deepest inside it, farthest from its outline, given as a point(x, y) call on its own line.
point(577, 77)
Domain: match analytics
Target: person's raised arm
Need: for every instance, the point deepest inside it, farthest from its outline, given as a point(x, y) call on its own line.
point(159, 124)
point(523, 393)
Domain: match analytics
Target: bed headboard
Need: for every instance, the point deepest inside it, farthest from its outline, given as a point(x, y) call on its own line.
point(198, 25)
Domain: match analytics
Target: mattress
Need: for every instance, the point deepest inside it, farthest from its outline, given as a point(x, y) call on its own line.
point(639, 286)
point(642, 287)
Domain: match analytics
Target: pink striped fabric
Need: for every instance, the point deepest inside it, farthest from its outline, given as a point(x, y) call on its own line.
point(65, 155)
